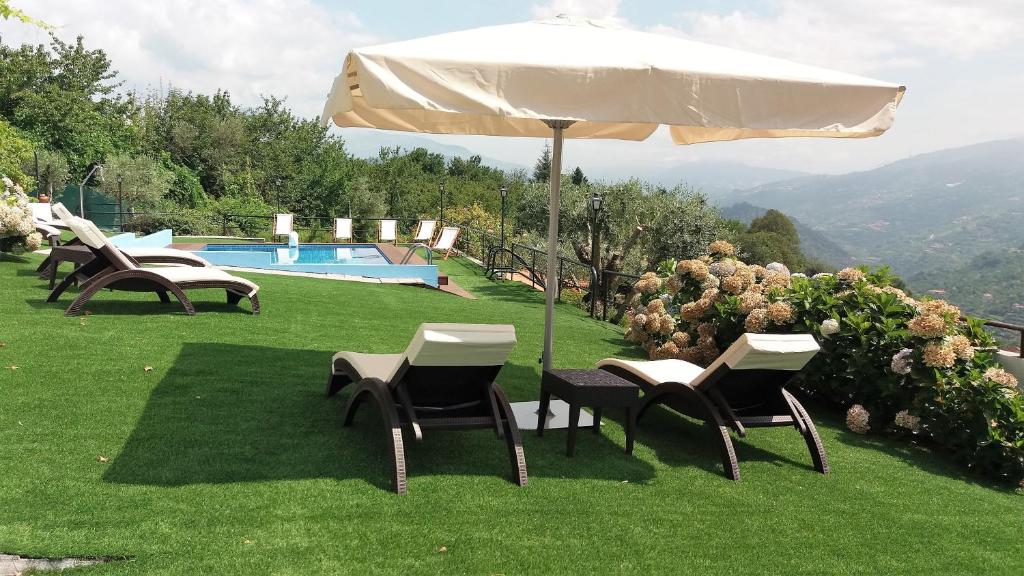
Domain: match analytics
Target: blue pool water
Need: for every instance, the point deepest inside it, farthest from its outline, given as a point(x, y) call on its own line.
point(348, 259)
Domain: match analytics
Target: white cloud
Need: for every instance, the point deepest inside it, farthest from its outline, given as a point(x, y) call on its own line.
point(291, 48)
point(861, 36)
point(595, 9)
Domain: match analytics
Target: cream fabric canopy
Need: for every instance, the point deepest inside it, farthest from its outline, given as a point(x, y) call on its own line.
point(612, 82)
point(573, 78)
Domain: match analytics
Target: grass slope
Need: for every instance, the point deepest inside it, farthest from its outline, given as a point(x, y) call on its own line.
point(225, 458)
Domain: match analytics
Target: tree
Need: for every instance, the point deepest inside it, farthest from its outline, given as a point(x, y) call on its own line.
point(145, 180)
point(7, 12)
point(15, 150)
point(772, 237)
point(542, 169)
point(578, 178)
point(53, 170)
point(64, 97)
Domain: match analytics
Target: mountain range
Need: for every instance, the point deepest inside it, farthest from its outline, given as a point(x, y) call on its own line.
point(929, 212)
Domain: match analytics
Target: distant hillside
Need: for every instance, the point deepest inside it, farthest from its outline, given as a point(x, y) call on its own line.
point(812, 242)
point(929, 212)
point(719, 179)
point(367, 144)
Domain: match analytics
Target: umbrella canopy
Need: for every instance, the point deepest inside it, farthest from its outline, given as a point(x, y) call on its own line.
point(576, 78)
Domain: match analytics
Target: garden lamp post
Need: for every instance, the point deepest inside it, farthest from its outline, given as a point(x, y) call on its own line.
point(595, 248)
point(501, 244)
point(120, 207)
point(441, 189)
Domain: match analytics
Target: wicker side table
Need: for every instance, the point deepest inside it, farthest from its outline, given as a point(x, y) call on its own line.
point(597, 389)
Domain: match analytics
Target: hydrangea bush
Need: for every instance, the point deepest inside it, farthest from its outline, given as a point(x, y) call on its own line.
point(17, 230)
point(896, 364)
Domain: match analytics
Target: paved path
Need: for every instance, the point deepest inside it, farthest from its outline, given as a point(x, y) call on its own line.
point(11, 565)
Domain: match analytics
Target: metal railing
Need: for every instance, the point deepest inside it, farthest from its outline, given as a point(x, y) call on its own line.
point(1012, 328)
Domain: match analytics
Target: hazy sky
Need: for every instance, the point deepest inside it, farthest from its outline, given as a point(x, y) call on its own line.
point(962, 60)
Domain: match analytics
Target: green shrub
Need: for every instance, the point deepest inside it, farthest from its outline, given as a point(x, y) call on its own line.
point(183, 221)
point(247, 214)
point(897, 364)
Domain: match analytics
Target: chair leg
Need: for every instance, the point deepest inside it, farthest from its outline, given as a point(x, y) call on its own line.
point(542, 412)
point(597, 420)
point(574, 424)
point(234, 297)
point(709, 414)
point(164, 298)
point(810, 434)
point(512, 439)
point(379, 391)
point(630, 429)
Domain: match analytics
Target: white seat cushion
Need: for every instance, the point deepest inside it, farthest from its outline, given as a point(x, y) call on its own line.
point(656, 372)
point(371, 365)
point(180, 274)
point(750, 352)
point(47, 230)
point(164, 253)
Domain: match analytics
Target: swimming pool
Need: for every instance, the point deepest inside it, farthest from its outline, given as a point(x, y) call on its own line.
point(365, 260)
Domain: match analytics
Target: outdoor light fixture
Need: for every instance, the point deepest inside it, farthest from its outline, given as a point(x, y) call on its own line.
point(596, 201)
point(120, 206)
point(504, 192)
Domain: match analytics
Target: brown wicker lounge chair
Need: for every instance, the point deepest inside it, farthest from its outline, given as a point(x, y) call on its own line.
point(743, 388)
point(443, 380)
point(121, 272)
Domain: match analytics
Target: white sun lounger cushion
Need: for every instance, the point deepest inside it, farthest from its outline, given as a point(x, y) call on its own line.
point(41, 211)
point(182, 274)
point(440, 345)
point(371, 365)
point(461, 345)
point(165, 253)
point(63, 213)
point(47, 230)
point(91, 236)
point(388, 229)
point(789, 352)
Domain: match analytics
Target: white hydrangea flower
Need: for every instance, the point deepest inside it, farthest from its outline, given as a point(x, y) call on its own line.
point(829, 327)
point(777, 267)
point(902, 362)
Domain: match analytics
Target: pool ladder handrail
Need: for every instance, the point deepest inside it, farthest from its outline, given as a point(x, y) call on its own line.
point(412, 250)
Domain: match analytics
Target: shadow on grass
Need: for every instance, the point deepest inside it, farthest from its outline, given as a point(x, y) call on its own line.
point(108, 304)
point(681, 441)
point(229, 413)
point(929, 458)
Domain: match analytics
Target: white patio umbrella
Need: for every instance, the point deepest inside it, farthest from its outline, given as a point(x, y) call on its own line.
point(576, 78)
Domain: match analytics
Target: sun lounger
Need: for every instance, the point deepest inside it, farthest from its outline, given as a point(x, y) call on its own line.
point(42, 212)
point(443, 380)
point(445, 244)
point(139, 255)
point(387, 231)
point(425, 231)
point(343, 229)
point(743, 388)
point(117, 271)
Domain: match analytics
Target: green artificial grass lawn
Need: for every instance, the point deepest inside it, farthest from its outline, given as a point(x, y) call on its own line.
point(225, 457)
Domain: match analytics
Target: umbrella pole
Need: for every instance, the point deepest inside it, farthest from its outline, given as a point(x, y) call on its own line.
point(551, 279)
point(528, 414)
